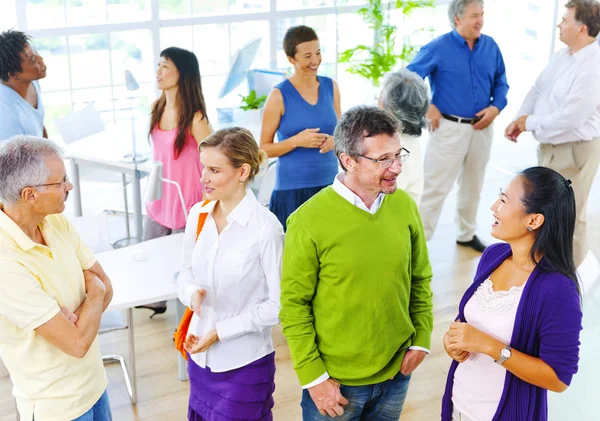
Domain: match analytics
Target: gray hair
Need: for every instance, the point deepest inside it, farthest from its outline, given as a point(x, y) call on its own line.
point(456, 9)
point(22, 164)
point(360, 122)
point(405, 95)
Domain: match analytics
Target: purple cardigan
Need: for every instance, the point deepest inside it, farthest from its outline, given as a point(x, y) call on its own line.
point(547, 326)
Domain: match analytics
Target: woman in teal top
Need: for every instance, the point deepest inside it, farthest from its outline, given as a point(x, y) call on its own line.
point(303, 110)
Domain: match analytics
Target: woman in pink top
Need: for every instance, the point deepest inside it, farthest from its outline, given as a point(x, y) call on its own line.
point(178, 125)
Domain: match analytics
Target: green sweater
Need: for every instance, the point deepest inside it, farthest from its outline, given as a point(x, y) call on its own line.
point(355, 288)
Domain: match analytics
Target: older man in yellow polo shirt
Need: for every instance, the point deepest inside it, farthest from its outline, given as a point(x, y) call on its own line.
point(52, 291)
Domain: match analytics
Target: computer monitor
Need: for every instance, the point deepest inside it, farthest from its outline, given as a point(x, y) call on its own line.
point(262, 81)
point(243, 59)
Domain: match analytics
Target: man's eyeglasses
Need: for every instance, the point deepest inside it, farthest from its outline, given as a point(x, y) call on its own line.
point(386, 163)
point(62, 183)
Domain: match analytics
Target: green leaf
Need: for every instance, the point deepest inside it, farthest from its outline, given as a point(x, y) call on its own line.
point(252, 102)
point(372, 62)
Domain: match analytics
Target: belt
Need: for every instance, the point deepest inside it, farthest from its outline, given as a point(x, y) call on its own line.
point(459, 119)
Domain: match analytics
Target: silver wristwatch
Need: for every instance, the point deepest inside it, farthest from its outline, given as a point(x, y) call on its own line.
point(505, 354)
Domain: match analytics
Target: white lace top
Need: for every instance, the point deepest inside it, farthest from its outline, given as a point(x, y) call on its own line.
point(479, 381)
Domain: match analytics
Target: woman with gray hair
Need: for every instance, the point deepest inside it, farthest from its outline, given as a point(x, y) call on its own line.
point(405, 95)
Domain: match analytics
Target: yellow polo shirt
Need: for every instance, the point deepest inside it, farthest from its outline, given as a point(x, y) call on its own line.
point(35, 281)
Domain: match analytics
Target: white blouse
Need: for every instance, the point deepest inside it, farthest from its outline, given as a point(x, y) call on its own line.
point(479, 381)
point(241, 272)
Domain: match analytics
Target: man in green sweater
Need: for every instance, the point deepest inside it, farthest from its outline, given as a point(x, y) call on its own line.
point(356, 302)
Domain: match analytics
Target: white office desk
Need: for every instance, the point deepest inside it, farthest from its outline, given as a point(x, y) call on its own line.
point(105, 150)
point(143, 282)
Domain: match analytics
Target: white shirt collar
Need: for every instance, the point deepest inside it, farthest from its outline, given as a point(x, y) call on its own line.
point(586, 52)
point(241, 213)
point(350, 196)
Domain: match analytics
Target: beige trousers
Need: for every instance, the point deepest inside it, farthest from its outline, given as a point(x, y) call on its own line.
point(455, 151)
point(577, 161)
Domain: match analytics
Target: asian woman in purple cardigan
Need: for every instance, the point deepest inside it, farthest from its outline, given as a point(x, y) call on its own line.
point(517, 331)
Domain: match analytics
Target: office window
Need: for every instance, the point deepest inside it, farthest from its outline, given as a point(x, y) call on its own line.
point(180, 36)
point(240, 33)
point(90, 60)
point(131, 50)
point(8, 17)
point(178, 8)
point(127, 10)
point(211, 46)
point(310, 4)
point(57, 13)
point(174, 8)
point(45, 14)
point(324, 26)
point(56, 104)
point(212, 7)
point(56, 57)
point(532, 33)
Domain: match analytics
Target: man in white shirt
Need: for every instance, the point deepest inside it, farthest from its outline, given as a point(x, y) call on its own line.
point(562, 110)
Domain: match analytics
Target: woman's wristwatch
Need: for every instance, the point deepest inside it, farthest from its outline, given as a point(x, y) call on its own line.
point(505, 354)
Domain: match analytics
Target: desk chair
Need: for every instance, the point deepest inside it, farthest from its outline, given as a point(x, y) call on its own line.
point(266, 184)
point(94, 231)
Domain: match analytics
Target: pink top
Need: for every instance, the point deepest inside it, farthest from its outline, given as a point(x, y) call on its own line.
point(185, 170)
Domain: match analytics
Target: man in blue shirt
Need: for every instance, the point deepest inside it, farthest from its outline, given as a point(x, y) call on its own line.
point(21, 108)
point(468, 83)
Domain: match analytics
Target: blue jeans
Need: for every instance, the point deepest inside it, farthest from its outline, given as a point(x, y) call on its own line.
point(375, 402)
point(99, 412)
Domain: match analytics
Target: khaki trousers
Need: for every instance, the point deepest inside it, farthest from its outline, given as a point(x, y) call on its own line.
point(455, 151)
point(577, 161)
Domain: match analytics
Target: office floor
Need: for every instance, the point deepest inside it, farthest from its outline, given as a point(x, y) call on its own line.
point(163, 397)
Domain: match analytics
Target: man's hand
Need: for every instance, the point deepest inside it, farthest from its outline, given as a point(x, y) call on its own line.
point(197, 300)
point(433, 118)
point(521, 123)
point(411, 361)
point(512, 132)
point(93, 284)
point(97, 270)
point(328, 398)
point(195, 344)
point(487, 117)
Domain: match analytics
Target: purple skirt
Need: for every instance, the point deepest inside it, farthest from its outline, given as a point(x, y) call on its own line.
point(245, 393)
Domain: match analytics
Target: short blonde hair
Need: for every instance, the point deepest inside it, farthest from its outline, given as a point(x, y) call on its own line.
point(239, 146)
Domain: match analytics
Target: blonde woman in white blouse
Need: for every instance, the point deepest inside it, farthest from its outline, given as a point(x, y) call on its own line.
point(230, 279)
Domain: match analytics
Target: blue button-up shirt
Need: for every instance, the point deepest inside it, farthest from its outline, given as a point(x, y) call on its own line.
point(463, 81)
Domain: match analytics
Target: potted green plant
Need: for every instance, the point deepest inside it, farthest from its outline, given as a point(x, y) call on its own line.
point(252, 106)
point(372, 62)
